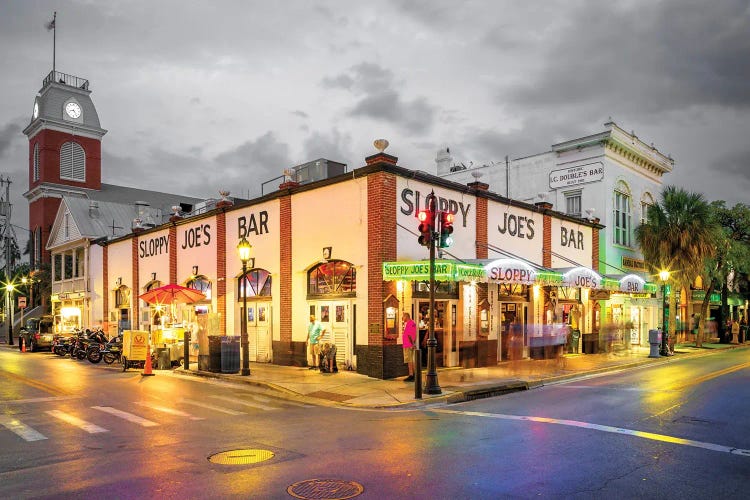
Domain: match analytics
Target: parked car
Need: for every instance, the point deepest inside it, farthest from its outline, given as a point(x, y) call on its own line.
point(36, 333)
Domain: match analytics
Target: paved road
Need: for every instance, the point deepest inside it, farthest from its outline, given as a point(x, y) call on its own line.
point(71, 429)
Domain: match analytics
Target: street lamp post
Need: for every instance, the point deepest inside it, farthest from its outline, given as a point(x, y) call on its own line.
point(243, 248)
point(9, 310)
point(664, 276)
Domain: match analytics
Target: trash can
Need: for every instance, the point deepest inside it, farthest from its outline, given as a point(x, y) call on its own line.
point(214, 353)
point(590, 343)
point(743, 334)
point(163, 358)
point(573, 340)
point(654, 339)
point(230, 354)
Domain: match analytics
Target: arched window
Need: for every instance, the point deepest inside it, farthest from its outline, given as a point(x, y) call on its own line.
point(122, 297)
point(202, 284)
point(72, 162)
point(646, 201)
point(335, 277)
point(36, 161)
point(256, 283)
point(621, 214)
point(152, 284)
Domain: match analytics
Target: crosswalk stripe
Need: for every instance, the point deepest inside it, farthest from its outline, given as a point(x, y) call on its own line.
point(245, 403)
point(211, 407)
point(127, 416)
point(73, 420)
point(24, 431)
point(165, 409)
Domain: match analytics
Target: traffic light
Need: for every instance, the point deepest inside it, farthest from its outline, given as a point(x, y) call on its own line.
point(426, 220)
point(446, 228)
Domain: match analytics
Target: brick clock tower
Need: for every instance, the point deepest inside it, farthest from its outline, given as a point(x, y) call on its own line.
point(64, 153)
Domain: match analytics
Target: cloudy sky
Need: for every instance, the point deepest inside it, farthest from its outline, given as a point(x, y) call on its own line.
point(200, 96)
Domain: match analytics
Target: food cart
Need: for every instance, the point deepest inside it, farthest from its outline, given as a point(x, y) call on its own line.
point(168, 345)
point(134, 349)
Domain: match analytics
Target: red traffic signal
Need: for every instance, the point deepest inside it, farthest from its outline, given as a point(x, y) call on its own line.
point(426, 220)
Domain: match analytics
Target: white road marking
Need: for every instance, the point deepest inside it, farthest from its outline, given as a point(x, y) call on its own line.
point(245, 403)
point(605, 428)
point(165, 409)
point(36, 400)
point(24, 431)
point(73, 420)
point(212, 407)
point(127, 416)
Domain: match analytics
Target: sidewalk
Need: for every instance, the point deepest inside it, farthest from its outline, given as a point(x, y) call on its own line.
point(351, 389)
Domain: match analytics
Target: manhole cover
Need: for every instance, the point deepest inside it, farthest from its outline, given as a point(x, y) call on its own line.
point(241, 457)
point(327, 489)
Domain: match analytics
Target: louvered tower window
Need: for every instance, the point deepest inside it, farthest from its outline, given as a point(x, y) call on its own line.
point(36, 161)
point(72, 162)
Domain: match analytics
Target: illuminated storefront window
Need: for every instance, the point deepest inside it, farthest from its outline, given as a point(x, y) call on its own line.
point(257, 283)
point(336, 277)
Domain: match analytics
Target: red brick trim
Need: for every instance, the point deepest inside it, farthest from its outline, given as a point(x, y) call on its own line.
point(481, 222)
point(135, 302)
point(547, 241)
point(173, 253)
point(382, 247)
point(285, 268)
point(221, 271)
point(595, 248)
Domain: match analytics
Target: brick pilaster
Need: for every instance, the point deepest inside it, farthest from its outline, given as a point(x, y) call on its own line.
point(547, 234)
point(221, 270)
point(173, 253)
point(595, 246)
point(285, 272)
point(481, 223)
point(135, 302)
point(105, 287)
point(380, 360)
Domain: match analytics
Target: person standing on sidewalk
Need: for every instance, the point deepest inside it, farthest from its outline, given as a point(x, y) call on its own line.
point(409, 338)
point(314, 329)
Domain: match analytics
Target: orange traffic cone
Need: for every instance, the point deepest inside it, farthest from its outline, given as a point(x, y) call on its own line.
point(147, 366)
point(23, 344)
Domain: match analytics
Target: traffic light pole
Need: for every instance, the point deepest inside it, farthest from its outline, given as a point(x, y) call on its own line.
point(431, 379)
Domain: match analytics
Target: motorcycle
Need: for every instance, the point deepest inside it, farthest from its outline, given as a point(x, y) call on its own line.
point(61, 345)
point(94, 345)
point(112, 350)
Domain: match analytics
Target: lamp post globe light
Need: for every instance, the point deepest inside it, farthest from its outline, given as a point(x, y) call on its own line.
point(243, 248)
point(664, 277)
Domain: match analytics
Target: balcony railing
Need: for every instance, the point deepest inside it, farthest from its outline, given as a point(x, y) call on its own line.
point(70, 80)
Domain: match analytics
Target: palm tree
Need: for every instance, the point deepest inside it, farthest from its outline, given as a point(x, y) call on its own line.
point(678, 236)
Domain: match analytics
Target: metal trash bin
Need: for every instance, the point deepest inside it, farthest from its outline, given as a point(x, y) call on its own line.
point(654, 339)
point(743, 334)
point(230, 354)
point(214, 353)
point(163, 358)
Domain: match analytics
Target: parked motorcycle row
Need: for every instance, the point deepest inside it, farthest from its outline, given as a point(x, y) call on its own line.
point(90, 345)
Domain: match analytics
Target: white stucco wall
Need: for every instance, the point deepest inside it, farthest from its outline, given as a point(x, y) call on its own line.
point(259, 224)
point(330, 216)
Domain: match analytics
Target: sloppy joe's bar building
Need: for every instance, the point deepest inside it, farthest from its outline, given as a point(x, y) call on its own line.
point(345, 249)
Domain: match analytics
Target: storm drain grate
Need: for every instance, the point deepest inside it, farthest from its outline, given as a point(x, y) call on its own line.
point(241, 457)
point(325, 489)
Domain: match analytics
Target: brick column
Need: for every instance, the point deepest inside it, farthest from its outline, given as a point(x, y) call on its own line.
point(285, 352)
point(135, 302)
point(221, 271)
point(546, 233)
point(173, 253)
point(105, 288)
point(486, 349)
point(381, 358)
point(595, 246)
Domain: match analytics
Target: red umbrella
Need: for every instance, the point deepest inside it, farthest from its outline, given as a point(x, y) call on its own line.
point(171, 294)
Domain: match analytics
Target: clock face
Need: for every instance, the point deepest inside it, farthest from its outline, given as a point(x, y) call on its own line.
point(36, 110)
point(73, 109)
